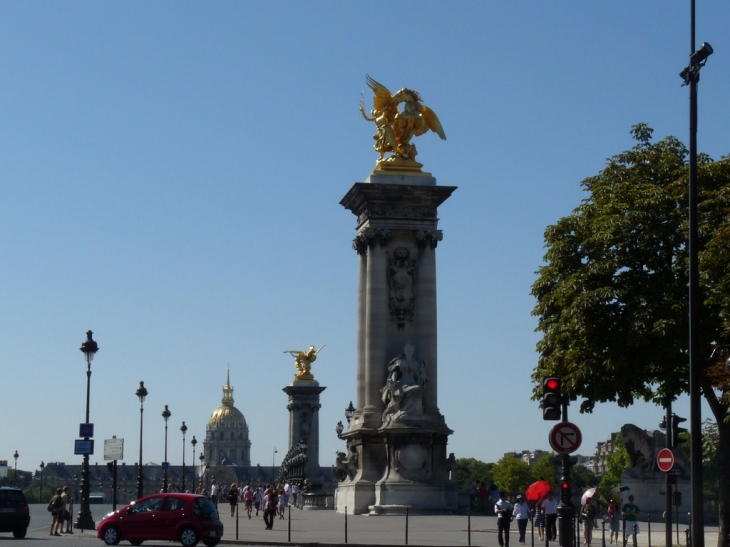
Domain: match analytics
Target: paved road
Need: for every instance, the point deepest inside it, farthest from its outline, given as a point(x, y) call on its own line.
point(328, 527)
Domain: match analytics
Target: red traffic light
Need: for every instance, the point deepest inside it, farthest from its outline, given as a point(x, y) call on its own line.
point(565, 485)
point(552, 384)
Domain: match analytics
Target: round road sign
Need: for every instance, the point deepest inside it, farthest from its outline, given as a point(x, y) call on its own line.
point(565, 438)
point(665, 460)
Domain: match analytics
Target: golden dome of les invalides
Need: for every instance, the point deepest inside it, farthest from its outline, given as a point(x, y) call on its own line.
point(226, 435)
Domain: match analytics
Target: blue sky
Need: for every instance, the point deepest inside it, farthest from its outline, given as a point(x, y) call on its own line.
point(171, 176)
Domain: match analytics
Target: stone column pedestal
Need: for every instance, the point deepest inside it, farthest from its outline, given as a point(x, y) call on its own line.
point(396, 442)
point(303, 409)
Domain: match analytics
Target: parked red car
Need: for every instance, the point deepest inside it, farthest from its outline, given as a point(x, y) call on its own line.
point(187, 518)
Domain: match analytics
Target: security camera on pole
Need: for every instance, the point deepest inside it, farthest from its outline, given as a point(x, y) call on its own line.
point(565, 438)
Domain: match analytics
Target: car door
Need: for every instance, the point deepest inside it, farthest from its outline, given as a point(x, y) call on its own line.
point(142, 521)
point(172, 514)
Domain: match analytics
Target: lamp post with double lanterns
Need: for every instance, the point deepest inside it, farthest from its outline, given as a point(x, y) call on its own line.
point(141, 395)
point(691, 77)
point(15, 473)
point(85, 521)
point(184, 430)
point(165, 416)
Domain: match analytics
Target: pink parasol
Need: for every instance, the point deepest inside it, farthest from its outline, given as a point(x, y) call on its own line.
point(587, 494)
point(537, 490)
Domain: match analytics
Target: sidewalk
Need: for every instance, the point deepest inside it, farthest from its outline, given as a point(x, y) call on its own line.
point(331, 528)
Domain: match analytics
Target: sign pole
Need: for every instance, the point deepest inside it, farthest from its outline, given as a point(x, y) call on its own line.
point(668, 483)
point(566, 509)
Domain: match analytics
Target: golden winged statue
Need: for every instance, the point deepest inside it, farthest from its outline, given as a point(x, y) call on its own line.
point(303, 361)
point(396, 127)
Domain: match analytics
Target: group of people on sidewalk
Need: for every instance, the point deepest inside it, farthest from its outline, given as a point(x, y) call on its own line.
point(545, 513)
point(61, 515)
point(271, 500)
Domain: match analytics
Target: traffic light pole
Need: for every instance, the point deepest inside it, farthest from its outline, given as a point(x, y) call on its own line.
point(668, 483)
point(566, 510)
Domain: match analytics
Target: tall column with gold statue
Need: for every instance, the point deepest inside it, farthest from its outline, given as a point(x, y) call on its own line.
point(396, 455)
point(301, 462)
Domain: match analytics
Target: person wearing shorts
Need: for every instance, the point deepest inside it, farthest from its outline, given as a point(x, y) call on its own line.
point(248, 499)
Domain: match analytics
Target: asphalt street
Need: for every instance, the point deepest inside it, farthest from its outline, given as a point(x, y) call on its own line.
point(330, 528)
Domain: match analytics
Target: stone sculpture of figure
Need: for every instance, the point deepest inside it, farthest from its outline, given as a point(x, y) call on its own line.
point(303, 361)
point(401, 285)
point(403, 391)
point(643, 448)
point(397, 127)
point(346, 464)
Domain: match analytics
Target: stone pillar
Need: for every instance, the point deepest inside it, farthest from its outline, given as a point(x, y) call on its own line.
point(396, 442)
point(304, 423)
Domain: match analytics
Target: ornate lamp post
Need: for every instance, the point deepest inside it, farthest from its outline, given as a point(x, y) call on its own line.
point(194, 442)
point(141, 394)
point(165, 416)
point(16, 467)
point(85, 521)
point(43, 466)
point(349, 412)
point(184, 430)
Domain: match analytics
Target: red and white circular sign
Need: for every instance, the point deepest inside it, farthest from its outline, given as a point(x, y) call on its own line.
point(665, 460)
point(565, 438)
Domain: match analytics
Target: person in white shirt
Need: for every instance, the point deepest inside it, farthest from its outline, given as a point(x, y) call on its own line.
point(550, 508)
point(504, 509)
point(522, 515)
point(214, 492)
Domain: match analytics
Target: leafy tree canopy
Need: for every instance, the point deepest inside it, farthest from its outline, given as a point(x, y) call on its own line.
point(612, 296)
point(511, 474)
point(470, 470)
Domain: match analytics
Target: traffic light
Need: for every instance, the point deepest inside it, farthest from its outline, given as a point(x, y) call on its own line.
point(565, 492)
point(676, 430)
point(551, 399)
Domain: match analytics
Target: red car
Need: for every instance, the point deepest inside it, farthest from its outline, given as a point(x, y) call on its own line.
point(187, 518)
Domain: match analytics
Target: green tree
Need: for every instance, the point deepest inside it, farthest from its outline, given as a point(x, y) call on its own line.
point(511, 474)
point(470, 470)
point(612, 298)
point(616, 462)
point(544, 469)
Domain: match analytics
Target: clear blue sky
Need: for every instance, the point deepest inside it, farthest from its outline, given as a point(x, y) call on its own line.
point(171, 175)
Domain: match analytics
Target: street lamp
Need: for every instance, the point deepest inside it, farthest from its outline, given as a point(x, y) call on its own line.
point(691, 76)
point(43, 466)
point(349, 412)
point(339, 428)
point(16, 467)
point(184, 429)
point(165, 416)
point(273, 477)
point(141, 394)
point(194, 442)
point(85, 520)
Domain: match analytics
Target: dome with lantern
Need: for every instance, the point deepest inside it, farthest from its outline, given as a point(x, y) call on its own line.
point(226, 435)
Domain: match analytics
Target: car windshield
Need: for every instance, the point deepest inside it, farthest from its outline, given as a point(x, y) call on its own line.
point(205, 508)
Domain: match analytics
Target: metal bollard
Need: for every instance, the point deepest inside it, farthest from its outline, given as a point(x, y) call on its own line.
point(468, 526)
point(345, 523)
point(288, 530)
point(603, 534)
point(406, 525)
point(648, 529)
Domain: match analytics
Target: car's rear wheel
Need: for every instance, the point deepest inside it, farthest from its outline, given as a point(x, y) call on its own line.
point(19, 533)
point(111, 535)
point(211, 542)
point(189, 537)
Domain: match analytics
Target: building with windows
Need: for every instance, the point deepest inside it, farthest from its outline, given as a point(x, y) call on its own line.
point(226, 435)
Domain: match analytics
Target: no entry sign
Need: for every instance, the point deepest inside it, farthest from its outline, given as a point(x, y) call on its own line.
point(665, 460)
point(565, 438)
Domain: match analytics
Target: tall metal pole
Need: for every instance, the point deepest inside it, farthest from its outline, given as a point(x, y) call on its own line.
point(85, 521)
point(166, 416)
point(141, 394)
point(668, 480)
point(691, 76)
